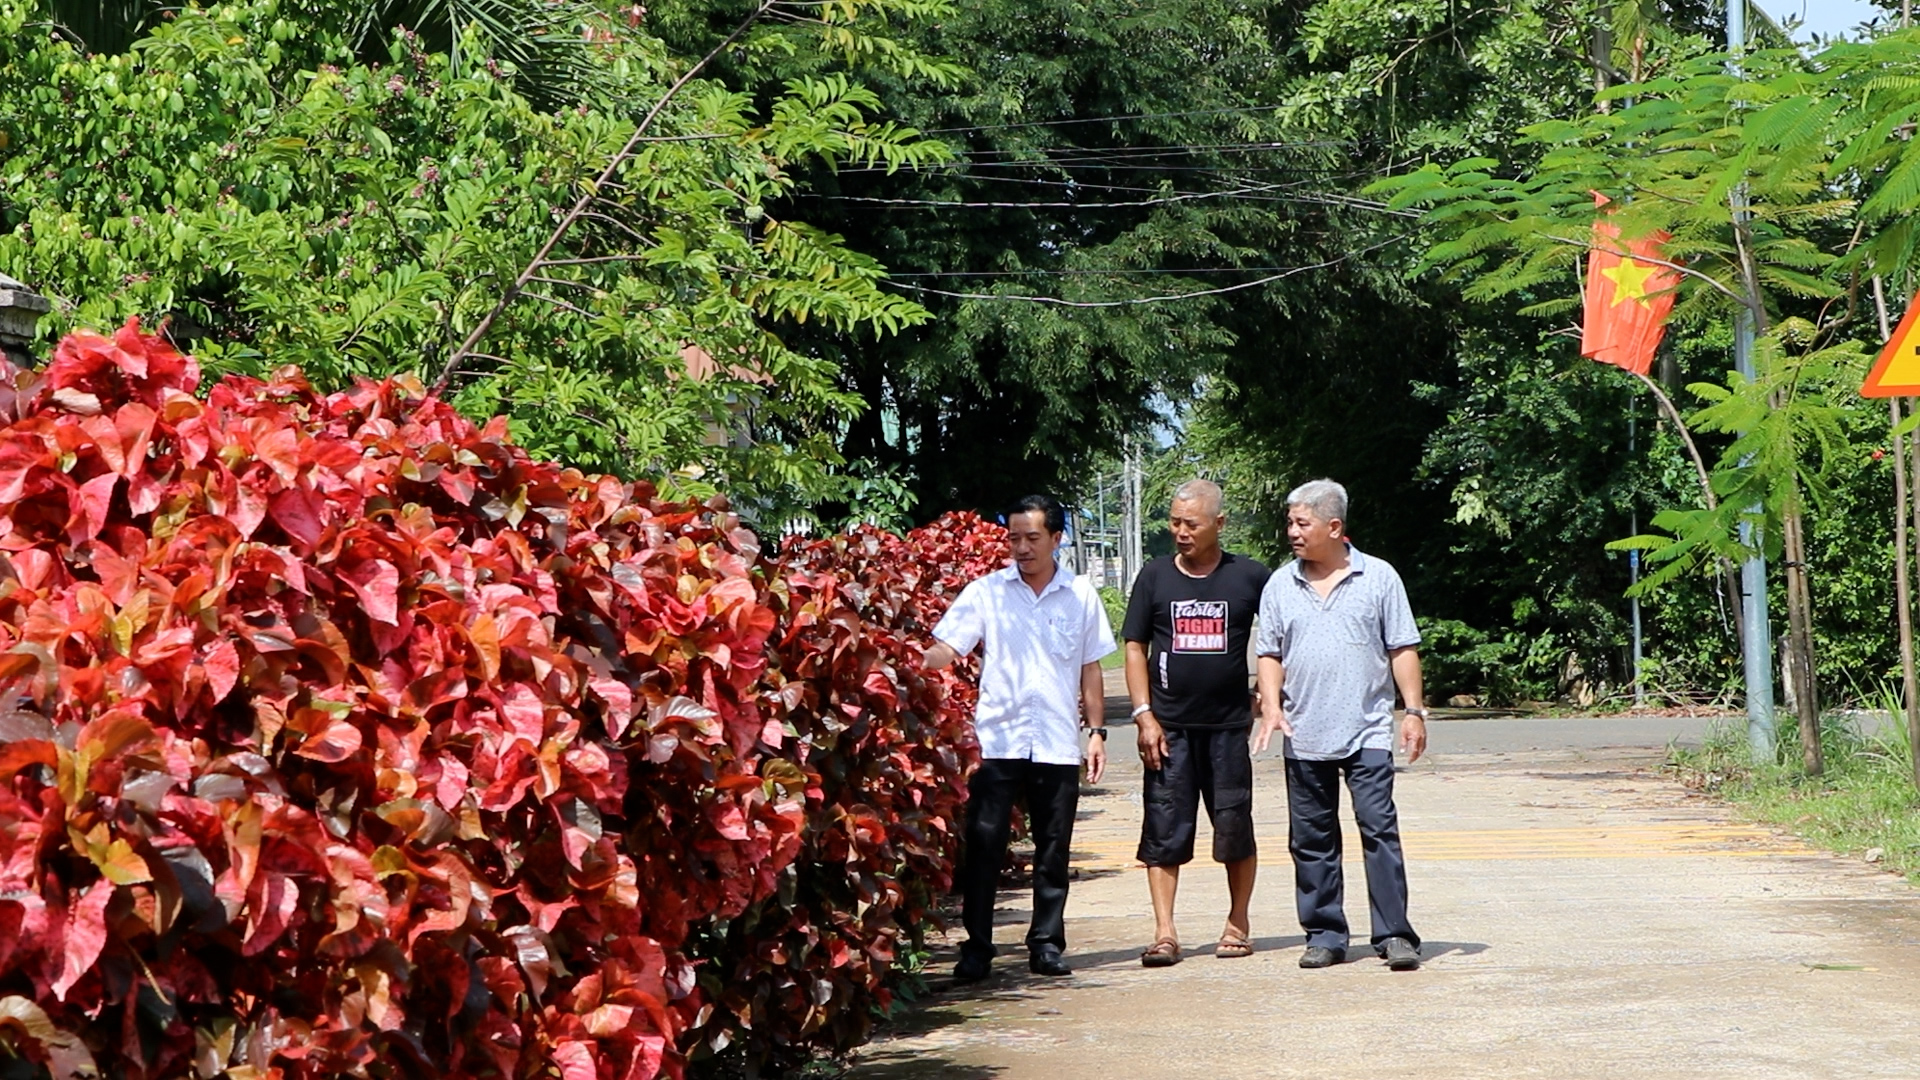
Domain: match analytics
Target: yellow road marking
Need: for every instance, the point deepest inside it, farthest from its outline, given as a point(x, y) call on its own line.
point(1598, 842)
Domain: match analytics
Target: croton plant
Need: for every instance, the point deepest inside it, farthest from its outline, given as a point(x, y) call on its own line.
point(337, 736)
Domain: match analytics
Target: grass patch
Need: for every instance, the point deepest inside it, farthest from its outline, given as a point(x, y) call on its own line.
point(1865, 800)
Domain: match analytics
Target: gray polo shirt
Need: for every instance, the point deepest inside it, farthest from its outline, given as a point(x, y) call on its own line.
point(1338, 686)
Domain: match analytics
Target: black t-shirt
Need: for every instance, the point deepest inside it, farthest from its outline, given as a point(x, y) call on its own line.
point(1196, 632)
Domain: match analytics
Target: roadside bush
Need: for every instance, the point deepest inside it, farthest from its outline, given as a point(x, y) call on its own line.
point(887, 750)
point(339, 737)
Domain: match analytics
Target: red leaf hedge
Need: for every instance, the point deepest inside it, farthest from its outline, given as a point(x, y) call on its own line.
point(337, 736)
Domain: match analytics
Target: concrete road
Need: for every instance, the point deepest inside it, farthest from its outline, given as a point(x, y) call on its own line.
point(1585, 917)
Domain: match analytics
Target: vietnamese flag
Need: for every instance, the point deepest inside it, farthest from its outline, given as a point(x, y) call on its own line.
point(1628, 298)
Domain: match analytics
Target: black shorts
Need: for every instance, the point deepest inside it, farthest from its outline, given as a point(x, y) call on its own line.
point(1214, 766)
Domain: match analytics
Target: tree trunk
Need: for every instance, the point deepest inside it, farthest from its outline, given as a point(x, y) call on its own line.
point(1800, 641)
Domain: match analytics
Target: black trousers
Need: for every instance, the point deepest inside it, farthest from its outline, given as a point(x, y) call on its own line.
point(1313, 802)
point(1051, 794)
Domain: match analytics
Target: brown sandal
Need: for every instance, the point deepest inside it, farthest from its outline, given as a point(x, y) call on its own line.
point(1162, 953)
point(1232, 946)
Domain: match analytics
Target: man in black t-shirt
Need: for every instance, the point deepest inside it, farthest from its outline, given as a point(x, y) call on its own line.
point(1189, 621)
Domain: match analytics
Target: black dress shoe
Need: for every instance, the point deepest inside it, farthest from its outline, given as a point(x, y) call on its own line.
point(1400, 954)
point(972, 967)
point(1319, 956)
point(1047, 960)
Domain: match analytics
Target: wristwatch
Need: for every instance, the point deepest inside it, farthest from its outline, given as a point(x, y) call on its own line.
point(1100, 731)
point(1138, 709)
point(1421, 713)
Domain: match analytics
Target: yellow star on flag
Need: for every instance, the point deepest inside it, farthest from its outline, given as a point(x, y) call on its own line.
point(1629, 281)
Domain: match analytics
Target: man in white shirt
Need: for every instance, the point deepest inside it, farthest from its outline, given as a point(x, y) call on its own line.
point(1044, 632)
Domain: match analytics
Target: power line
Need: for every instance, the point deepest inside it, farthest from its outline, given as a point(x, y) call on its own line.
point(1089, 185)
point(1186, 196)
point(1105, 119)
point(1253, 194)
point(1153, 150)
point(1046, 272)
point(1060, 302)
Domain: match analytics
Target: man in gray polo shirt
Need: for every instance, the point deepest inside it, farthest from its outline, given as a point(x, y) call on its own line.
point(1336, 637)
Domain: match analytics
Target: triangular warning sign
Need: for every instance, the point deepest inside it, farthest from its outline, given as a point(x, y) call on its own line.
point(1897, 372)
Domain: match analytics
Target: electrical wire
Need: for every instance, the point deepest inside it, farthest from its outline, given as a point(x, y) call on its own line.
point(1134, 301)
point(1045, 272)
point(1256, 194)
point(1105, 119)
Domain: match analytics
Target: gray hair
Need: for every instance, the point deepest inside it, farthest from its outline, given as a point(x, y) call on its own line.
point(1204, 492)
point(1325, 498)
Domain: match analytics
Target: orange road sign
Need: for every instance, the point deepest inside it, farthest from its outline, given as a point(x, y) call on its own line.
point(1897, 372)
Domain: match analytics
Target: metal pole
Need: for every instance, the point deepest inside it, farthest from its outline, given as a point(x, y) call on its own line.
point(1133, 523)
point(1100, 501)
point(1127, 569)
point(1633, 575)
point(1757, 647)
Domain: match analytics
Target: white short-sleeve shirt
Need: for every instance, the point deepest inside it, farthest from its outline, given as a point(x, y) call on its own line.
point(1029, 705)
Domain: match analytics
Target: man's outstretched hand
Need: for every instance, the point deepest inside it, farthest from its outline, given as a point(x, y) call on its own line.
point(1271, 720)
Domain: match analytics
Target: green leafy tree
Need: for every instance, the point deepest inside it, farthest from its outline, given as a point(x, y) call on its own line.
point(1759, 216)
point(243, 176)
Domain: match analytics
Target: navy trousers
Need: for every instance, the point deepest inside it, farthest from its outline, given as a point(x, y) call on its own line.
point(1313, 803)
point(1051, 794)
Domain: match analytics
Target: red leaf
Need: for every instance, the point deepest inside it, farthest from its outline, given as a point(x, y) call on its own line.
point(87, 508)
point(728, 820)
point(223, 669)
point(18, 460)
point(333, 743)
point(249, 507)
point(275, 898)
point(86, 935)
point(648, 1051)
point(299, 512)
point(576, 1060)
point(377, 583)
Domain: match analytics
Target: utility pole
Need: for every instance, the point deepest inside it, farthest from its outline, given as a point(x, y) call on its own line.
point(1130, 560)
point(1757, 646)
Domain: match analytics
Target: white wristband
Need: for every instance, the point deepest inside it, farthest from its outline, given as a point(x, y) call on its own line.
point(1138, 709)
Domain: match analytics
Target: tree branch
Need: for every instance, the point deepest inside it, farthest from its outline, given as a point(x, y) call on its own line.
point(564, 282)
point(1678, 268)
point(597, 259)
point(1680, 427)
point(556, 302)
point(1728, 575)
point(580, 205)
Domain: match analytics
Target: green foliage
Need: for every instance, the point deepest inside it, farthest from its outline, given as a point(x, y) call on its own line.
point(1104, 155)
point(1506, 670)
point(241, 174)
point(1115, 603)
point(1684, 154)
